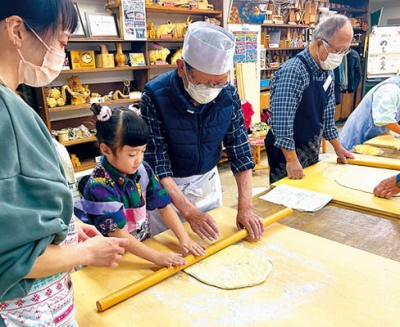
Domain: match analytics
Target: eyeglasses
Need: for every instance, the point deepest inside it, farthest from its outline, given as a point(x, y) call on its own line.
point(206, 86)
point(342, 52)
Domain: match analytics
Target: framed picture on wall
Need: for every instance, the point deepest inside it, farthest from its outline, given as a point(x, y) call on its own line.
point(103, 25)
point(79, 32)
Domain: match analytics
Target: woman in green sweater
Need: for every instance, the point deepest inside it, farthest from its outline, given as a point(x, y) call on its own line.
point(38, 235)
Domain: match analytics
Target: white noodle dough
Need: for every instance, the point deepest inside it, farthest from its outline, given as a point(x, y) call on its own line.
point(231, 268)
point(362, 178)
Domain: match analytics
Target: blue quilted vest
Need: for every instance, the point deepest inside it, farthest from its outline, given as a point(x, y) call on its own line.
point(194, 134)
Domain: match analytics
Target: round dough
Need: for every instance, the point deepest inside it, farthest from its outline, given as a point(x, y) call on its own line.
point(231, 268)
point(361, 178)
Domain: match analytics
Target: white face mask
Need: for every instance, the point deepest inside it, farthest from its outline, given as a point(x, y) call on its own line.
point(38, 76)
point(332, 61)
point(202, 93)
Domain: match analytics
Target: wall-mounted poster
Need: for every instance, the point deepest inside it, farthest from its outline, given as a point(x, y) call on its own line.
point(247, 12)
point(246, 46)
point(383, 51)
point(134, 19)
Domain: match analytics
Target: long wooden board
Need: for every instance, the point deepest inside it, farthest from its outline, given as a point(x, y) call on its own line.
point(386, 140)
point(373, 161)
point(316, 180)
point(316, 282)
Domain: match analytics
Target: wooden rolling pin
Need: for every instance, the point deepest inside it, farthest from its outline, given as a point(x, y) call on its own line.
point(145, 282)
point(372, 162)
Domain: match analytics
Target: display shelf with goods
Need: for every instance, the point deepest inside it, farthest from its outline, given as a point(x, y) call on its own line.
point(283, 41)
point(357, 11)
point(288, 40)
point(113, 84)
point(65, 103)
point(165, 28)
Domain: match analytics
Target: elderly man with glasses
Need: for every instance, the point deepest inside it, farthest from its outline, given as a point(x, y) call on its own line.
point(303, 102)
point(191, 111)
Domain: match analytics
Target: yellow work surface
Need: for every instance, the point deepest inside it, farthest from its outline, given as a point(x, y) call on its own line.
point(315, 282)
point(386, 140)
point(316, 180)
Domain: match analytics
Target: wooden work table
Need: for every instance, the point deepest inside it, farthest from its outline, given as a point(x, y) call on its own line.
point(316, 280)
point(317, 180)
point(339, 266)
point(374, 233)
point(387, 140)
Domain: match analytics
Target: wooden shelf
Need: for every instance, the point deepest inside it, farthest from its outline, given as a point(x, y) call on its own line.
point(162, 66)
point(85, 165)
point(350, 10)
point(269, 68)
point(80, 141)
point(168, 40)
point(87, 105)
point(286, 48)
point(285, 25)
point(179, 10)
point(158, 9)
point(101, 70)
point(96, 39)
point(69, 115)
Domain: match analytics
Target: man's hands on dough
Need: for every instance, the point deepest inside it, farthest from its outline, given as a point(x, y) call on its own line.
point(387, 188)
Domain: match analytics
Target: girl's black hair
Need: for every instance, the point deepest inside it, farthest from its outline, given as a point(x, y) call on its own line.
point(125, 127)
point(43, 16)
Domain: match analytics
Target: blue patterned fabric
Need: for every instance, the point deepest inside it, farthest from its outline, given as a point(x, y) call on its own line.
point(107, 184)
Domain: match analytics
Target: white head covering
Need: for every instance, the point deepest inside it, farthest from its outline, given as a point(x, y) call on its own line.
point(208, 48)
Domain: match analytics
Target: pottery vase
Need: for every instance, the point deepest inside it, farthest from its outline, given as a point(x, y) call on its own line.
point(120, 58)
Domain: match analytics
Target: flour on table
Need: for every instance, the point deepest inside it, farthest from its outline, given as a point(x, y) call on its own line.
point(232, 268)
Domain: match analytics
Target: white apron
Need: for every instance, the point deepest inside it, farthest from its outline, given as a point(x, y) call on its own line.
point(204, 191)
point(50, 302)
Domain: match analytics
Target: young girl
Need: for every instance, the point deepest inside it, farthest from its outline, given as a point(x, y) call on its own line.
point(122, 188)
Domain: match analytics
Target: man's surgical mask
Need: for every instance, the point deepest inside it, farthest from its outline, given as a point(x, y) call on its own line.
point(332, 61)
point(202, 93)
point(38, 76)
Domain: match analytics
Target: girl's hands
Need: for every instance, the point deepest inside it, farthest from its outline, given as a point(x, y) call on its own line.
point(169, 259)
point(190, 246)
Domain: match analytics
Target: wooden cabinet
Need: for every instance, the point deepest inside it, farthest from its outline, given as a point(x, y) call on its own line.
point(264, 99)
point(105, 80)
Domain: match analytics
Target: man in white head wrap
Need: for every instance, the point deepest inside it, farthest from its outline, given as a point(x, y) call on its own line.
point(191, 111)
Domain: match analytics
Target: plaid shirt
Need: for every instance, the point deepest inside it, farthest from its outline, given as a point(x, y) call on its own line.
point(287, 88)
